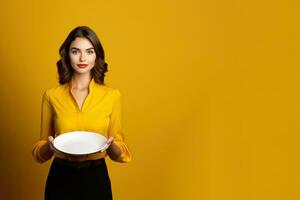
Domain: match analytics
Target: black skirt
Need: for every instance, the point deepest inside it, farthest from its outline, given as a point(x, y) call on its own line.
point(70, 180)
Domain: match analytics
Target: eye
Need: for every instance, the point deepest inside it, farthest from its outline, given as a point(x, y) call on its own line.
point(74, 52)
point(90, 52)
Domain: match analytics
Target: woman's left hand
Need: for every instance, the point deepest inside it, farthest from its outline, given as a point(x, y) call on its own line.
point(108, 143)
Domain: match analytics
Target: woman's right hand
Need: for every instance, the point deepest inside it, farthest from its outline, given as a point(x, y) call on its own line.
point(50, 143)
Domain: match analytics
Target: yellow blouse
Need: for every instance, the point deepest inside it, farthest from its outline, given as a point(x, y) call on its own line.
point(100, 113)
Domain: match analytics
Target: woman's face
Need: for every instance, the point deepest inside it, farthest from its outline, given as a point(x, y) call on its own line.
point(82, 55)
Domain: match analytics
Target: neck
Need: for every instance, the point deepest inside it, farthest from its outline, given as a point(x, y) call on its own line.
point(81, 81)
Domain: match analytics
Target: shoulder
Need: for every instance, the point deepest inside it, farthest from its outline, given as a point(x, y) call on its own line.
point(54, 90)
point(109, 90)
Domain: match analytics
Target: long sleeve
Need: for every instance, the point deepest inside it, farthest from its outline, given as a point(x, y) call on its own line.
point(116, 131)
point(46, 129)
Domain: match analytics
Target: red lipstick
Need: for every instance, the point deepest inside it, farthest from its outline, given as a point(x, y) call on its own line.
point(82, 65)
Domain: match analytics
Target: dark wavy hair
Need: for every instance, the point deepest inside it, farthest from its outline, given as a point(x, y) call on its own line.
point(64, 68)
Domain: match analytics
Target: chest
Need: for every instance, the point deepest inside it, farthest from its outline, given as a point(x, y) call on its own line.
point(82, 110)
point(80, 96)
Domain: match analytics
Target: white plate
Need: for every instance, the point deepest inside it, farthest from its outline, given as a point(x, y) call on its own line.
point(80, 142)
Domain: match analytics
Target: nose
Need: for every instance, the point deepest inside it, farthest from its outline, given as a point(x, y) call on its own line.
point(82, 57)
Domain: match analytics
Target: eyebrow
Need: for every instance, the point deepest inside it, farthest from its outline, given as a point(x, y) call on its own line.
point(79, 49)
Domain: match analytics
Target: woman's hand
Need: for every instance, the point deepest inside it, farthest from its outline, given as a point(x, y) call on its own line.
point(50, 143)
point(108, 143)
point(112, 150)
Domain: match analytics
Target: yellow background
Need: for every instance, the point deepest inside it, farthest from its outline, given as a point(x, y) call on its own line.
point(210, 94)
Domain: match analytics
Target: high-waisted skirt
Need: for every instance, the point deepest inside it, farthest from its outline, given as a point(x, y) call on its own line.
point(70, 180)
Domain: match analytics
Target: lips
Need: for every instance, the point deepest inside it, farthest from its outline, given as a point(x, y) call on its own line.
point(82, 65)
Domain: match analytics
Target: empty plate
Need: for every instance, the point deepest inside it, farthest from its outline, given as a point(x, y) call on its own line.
point(80, 142)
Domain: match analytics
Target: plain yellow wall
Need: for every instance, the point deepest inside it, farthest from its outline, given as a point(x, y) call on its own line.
point(210, 94)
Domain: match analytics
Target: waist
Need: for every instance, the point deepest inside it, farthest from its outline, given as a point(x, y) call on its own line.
point(94, 156)
point(79, 164)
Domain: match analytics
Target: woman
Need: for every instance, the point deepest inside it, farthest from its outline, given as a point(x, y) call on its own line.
point(81, 102)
